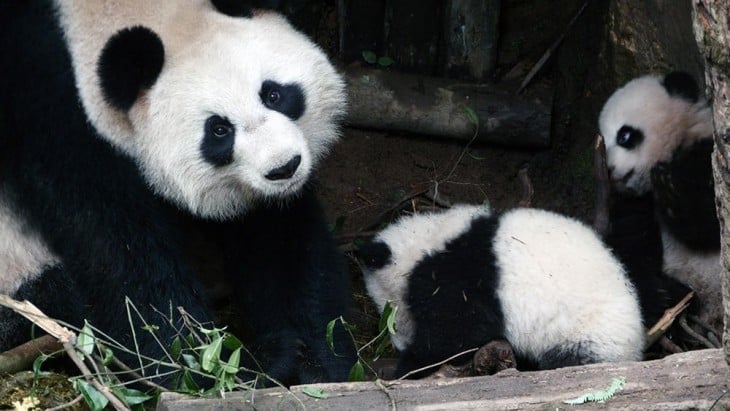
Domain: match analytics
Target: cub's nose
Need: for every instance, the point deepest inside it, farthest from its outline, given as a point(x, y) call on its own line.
point(285, 171)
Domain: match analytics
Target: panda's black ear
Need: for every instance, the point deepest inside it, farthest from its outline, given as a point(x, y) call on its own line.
point(374, 255)
point(682, 85)
point(244, 8)
point(130, 62)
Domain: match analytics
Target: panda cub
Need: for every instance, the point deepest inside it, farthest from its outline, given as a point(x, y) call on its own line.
point(467, 276)
point(142, 140)
point(658, 134)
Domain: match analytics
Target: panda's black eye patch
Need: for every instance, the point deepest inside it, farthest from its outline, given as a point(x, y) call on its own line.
point(629, 137)
point(287, 99)
point(219, 136)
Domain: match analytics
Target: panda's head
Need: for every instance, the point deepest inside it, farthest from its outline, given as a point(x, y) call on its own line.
point(646, 121)
point(220, 112)
point(390, 258)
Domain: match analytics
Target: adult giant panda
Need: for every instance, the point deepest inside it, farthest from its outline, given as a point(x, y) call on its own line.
point(658, 134)
point(135, 134)
point(543, 282)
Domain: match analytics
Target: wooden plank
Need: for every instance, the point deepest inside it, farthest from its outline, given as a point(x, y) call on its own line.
point(692, 380)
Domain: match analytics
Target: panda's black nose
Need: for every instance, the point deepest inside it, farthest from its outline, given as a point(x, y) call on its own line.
point(285, 171)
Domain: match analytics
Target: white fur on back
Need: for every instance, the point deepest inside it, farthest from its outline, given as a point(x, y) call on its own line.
point(667, 123)
point(23, 254)
point(559, 285)
point(214, 64)
point(410, 239)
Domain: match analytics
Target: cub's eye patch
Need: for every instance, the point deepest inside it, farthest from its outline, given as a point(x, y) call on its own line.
point(629, 137)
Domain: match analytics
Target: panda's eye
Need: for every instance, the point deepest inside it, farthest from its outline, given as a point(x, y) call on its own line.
point(287, 99)
point(219, 126)
point(629, 137)
point(273, 96)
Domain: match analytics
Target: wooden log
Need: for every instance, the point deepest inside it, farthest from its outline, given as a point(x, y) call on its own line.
point(389, 100)
point(692, 380)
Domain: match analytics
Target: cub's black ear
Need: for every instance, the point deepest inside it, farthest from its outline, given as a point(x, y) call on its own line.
point(374, 255)
point(130, 62)
point(244, 8)
point(682, 85)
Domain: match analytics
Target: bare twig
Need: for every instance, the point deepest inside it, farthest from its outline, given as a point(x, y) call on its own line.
point(669, 346)
point(438, 364)
point(549, 52)
point(709, 330)
point(699, 337)
point(666, 321)
point(603, 187)
point(527, 190)
point(67, 405)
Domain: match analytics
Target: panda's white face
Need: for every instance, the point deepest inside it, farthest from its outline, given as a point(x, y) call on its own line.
point(240, 117)
point(219, 112)
point(642, 125)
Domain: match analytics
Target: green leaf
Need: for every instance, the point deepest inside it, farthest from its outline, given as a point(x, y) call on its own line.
point(357, 372)
point(151, 328)
point(387, 318)
point(385, 61)
point(369, 56)
point(38, 363)
point(231, 367)
point(314, 392)
point(471, 115)
point(212, 331)
point(108, 356)
point(231, 342)
point(94, 399)
point(211, 354)
point(617, 384)
point(383, 345)
point(187, 384)
point(131, 397)
point(85, 340)
point(176, 348)
point(191, 361)
point(330, 334)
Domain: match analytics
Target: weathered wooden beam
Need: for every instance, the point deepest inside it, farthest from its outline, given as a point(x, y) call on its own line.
point(471, 37)
point(389, 100)
point(692, 380)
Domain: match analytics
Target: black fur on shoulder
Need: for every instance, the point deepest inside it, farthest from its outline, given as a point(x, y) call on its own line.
point(685, 196)
point(682, 85)
point(130, 62)
point(241, 8)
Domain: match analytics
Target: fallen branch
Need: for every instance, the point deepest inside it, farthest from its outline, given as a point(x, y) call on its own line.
point(66, 337)
point(666, 321)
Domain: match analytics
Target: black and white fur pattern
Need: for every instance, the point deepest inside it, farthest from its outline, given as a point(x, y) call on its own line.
point(658, 134)
point(138, 135)
point(464, 277)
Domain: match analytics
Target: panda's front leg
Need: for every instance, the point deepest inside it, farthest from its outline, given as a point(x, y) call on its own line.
point(290, 281)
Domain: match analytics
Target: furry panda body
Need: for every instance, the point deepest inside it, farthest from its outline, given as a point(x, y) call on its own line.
point(464, 277)
point(86, 222)
point(658, 134)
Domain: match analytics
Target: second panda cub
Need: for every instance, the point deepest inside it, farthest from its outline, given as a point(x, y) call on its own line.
point(464, 277)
